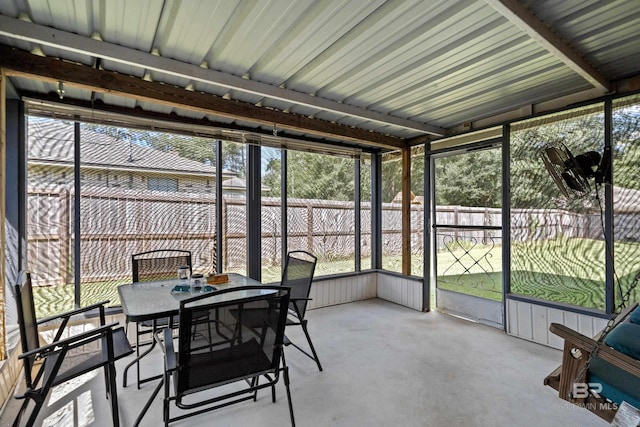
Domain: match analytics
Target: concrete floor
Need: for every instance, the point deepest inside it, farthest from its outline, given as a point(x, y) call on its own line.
point(384, 365)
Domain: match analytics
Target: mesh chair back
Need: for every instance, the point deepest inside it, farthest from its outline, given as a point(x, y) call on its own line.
point(242, 337)
point(298, 275)
point(161, 264)
point(27, 321)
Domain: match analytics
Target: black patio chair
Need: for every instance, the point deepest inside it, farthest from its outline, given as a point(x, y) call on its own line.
point(68, 355)
point(159, 264)
point(298, 275)
point(253, 319)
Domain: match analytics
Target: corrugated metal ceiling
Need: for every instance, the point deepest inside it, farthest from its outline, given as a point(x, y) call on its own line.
point(435, 63)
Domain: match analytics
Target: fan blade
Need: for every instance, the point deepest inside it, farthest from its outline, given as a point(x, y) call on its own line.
point(573, 183)
point(556, 156)
point(555, 175)
point(571, 174)
point(577, 183)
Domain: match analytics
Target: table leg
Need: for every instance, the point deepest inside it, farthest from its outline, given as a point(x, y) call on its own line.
point(149, 402)
point(136, 361)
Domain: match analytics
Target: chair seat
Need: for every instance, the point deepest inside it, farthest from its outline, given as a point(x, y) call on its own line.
point(69, 354)
point(209, 369)
point(617, 384)
point(80, 362)
point(251, 358)
point(254, 317)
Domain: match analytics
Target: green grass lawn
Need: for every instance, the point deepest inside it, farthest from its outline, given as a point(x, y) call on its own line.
point(477, 271)
point(563, 270)
point(56, 299)
point(572, 270)
point(50, 300)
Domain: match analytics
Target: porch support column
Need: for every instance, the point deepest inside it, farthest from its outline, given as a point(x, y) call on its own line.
point(254, 206)
point(3, 183)
point(406, 211)
point(376, 211)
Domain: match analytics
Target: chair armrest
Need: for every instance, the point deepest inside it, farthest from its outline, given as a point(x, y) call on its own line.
point(605, 352)
point(67, 342)
point(580, 341)
point(71, 313)
point(166, 345)
point(296, 311)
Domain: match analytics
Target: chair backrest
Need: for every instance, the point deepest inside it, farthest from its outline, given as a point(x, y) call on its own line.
point(159, 264)
point(229, 335)
point(298, 275)
point(27, 321)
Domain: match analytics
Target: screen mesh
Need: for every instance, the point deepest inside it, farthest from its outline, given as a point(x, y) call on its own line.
point(139, 191)
point(557, 244)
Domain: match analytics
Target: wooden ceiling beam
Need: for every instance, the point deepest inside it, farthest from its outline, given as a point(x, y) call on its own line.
point(23, 64)
point(523, 18)
point(70, 42)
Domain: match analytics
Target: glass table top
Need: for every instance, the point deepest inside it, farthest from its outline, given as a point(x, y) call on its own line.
point(149, 300)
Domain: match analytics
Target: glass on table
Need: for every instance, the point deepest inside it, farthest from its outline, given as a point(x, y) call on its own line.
point(184, 273)
point(197, 282)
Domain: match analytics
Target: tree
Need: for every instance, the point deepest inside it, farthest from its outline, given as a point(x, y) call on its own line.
point(312, 176)
point(271, 178)
point(234, 157)
point(470, 179)
point(392, 174)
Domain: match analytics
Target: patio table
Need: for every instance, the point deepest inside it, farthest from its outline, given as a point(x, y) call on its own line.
point(144, 301)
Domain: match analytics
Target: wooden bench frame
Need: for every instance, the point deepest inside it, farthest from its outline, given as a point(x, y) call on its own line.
point(564, 377)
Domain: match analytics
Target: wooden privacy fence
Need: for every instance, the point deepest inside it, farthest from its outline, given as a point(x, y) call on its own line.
point(115, 223)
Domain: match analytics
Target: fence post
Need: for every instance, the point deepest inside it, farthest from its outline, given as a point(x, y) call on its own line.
point(225, 244)
point(485, 223)
point(64, 236)
point(455, 223)
point(309, 227)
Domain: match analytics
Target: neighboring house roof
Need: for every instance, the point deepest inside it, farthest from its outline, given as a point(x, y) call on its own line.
point(52, 142)
point(415, 200)
point(238, 184)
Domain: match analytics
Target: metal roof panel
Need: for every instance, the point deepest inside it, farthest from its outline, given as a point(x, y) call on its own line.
point(441, 62)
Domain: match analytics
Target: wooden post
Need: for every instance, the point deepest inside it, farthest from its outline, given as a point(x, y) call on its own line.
point(406, 211)
point(3, 146)
point(225, 243)
point(64, 236)
point(310, 227)
point(455, 222)
point(485, 223)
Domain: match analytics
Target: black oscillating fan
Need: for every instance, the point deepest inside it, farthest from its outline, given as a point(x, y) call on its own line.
point(573, 173)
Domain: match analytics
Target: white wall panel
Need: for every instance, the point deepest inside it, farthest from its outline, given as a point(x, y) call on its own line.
point(326, 292)
point(531, 322)
point(554, 316)
point(525, 323)
point(539, 324)
point(400, 290)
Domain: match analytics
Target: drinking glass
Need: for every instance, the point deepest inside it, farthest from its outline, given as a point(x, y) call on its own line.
point(197, 282)
point(184, 272)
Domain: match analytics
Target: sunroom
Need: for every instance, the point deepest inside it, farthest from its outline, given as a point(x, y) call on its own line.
point(408, 145)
